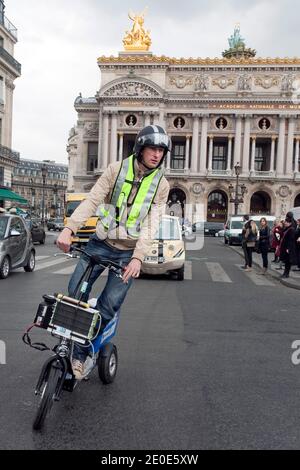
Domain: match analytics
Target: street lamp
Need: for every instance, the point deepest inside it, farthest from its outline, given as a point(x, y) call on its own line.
point(44, 170)
point(32, 196)
point(55, 198)
point(236, 194)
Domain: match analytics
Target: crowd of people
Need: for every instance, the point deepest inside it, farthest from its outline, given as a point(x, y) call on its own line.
point(283, 238)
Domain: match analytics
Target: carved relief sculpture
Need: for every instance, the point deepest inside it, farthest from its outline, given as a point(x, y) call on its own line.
point(181, 81)
point(91, 129)
point(244, 82)
point(132, 89)
point(267, 81)
point(223, 81)
point(201, 83)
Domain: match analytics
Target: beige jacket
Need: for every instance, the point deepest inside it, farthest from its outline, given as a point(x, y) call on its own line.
point(101, 194)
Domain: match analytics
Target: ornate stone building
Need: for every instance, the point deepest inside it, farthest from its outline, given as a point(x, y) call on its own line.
point(10, 69)
point(28, 181)
point(219, 112)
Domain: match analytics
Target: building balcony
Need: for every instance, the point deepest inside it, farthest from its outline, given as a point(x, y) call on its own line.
point(262, 174)
point(10, 60)
point(178, 171)
point(219, 173)
point(9, 26)
point(10, 154)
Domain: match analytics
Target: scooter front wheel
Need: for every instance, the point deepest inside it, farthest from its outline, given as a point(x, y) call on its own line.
point(108, 363)
point(49, 388)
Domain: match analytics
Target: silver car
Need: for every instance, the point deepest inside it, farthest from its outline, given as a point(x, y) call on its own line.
point(16, 248)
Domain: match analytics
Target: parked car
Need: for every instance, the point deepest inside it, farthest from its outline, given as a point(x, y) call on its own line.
point(16, 247)
point(50, 224)
point(58, 224)
point(167, 253)
point(212, 228)
point(55, 224)
point(220, 233)
point(37, 230)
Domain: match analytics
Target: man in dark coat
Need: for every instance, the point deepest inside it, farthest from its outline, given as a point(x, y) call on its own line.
point(288, 247)
point(297, 239)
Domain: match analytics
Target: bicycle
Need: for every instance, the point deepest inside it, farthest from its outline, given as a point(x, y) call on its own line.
point(73, 321)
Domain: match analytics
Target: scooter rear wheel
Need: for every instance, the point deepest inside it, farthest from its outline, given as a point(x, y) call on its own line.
point(108, 363)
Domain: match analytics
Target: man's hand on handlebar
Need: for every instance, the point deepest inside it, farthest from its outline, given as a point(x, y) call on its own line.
point(132, 270)
point(64, 240)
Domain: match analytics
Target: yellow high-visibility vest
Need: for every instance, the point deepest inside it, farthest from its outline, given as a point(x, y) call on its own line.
point(110, 217)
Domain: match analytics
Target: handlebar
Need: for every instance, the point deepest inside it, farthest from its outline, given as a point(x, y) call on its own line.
point(104, 263)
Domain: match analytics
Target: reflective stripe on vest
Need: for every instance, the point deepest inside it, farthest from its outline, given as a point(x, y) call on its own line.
point(141, 204)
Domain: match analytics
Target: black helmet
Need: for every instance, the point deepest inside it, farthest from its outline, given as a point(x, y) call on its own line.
point(152, 136)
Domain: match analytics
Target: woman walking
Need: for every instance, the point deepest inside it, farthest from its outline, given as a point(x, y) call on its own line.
point(250, 236)
point(264, 243)
point(288, 247)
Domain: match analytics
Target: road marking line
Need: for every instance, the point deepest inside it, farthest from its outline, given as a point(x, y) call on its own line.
point(51, 263)
point(217, 273)
point(70, 269)
point(188, 272)
point(38, 258)
point(256, 278)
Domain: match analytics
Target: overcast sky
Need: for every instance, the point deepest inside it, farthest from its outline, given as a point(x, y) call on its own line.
point(60, 41)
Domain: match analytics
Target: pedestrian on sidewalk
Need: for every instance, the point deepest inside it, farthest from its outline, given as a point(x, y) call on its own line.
point(277, 231)
point(249, 237)
point(264, 243)
point(297, 239)
point(288, 247)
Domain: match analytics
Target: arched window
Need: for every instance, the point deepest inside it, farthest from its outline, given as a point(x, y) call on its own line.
point(260, 203)
point(217, 207)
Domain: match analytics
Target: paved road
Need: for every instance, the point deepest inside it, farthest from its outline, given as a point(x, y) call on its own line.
point(203, 364)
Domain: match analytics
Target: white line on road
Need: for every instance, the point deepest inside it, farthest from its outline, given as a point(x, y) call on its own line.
point(69, 270)
point(50, 263)
point(38, 258)
point(188, 275)
point(217, 273)
point(257, 279)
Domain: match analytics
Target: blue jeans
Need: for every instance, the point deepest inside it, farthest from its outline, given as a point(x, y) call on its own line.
point(113, 295)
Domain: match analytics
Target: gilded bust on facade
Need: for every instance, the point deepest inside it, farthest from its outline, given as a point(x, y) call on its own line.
point(137, 39)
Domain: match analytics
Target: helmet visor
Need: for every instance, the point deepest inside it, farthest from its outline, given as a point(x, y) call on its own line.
point(155, 140)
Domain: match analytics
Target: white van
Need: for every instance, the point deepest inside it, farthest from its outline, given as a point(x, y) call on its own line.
point(296, 212)
point(235, 223)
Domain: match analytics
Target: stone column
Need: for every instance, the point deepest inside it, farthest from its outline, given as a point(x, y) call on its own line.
point(280, 149)
point(246, 146)
point(113, 138)
point(229, 153)
point(80, 149)
point(290, 148)
point(162, 122)
point(195, 143)
point(121, 140)
point(253, 154)
point(100, 141)
point(187, 152)
point(203, 149)
point(168, 160)
point(296, 165)
point(104, 162)
point(210, 152)
point(237, 141)
point(272, 153)
point(147, 119)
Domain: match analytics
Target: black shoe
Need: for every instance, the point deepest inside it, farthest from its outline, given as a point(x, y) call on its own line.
point(284, 276)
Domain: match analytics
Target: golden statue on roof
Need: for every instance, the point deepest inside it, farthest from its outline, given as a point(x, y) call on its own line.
point(137, 39)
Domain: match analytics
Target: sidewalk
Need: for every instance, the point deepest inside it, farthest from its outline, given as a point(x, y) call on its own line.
point(293, 281)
